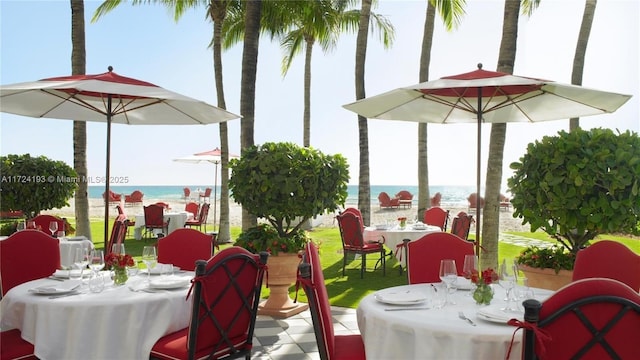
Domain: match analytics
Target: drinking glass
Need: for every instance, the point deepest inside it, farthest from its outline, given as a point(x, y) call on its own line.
point(53, 227)
point(468, 268)
point(507, 280)
point(118, 249)
point(21, 226)
point(150, 259)
point(96, 262)
point(448, 275)
point(79, 264)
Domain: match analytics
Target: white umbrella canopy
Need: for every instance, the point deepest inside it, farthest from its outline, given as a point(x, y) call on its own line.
point(213, 156)
point(482, 96)
point(109, 98)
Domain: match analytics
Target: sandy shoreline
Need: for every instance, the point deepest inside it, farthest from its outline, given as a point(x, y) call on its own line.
point(378, 216)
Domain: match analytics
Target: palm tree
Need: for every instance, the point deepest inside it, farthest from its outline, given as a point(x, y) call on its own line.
point(78, 67)
point(450, 12)
point(506, 60)
point(581, 49)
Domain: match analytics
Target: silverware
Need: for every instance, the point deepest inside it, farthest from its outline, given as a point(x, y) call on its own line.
point(407, 308)
point(55, 278)
point(461, 316)
point(65, 295)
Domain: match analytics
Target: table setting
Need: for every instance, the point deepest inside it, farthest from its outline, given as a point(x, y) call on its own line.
point(394, 232)
point(134, 314)
point(440, 321)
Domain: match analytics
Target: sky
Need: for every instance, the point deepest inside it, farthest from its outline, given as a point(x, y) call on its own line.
point(144, 42)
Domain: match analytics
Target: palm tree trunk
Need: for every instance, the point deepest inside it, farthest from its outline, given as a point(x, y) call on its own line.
point(423, 163)
point(248, 85)
point(307, 94)
point(364, 185)
point(581, 50)
point(491, 212)
point(78, 67)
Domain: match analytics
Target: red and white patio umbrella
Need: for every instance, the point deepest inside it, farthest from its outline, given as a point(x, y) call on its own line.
point(212, 156)
point(482, 96)
point(108, 98)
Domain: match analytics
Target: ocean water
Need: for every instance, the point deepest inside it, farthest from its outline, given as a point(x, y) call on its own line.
point(452, 196)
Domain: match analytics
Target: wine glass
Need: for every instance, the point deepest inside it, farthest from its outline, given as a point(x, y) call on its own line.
point(150, 259)
point(80, 262)
point(468, 268)
point(448, 275)
point(118, 249)
point(53, 227)
point(21, 226)
point(507, 280)
point(96, 262)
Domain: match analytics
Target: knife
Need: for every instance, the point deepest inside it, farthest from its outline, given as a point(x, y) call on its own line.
point(407, 308)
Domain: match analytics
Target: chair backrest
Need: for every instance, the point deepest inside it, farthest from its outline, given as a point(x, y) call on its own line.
point(120, 209)
point(204, 213)
point(351, 231)
point(192, 207)
point(594, 318)
point(312, 280)
point(424, 255)
point(226, 294)
point(404, 195)
point(473, 198)
point(461, 224)
point(207, 192)
point(385, 199)
point(187, 192)
point(118, 233)
point(163, 204)
point(437, 216)
point(136, 196)
point(27, 255)
point(608, 259)
point(42, 221)
point(355, 212)
point(435, 200)
point(182, 247)
point(153, 215)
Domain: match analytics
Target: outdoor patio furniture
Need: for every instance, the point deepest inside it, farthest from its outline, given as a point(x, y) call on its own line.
point(387, 202)
point(461, 224)
point(424, 255)
point(353, 242)
point(608, 259)
point(113, 197)
point(437, 216)
point(134, 198)
point(406, 198)
point(183, 247)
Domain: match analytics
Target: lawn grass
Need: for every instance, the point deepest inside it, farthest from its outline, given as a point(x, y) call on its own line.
point(348, 290)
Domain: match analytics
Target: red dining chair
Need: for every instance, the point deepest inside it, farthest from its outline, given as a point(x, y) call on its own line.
point(206, 196)
point(192, 207)
point(436, 199)
point(118, 232)
point(474, 199)
point(201, 219)
point(353, 242)
point(13, 347)
point(330, 345)
point(424, 255)
point(134, 198)
point(183, 247)
point(113, 198)
point(186, 196)
point(608, 259)
point(355, 212)
point(226, 293)
point(42, 222)
point(437, 216)
point(154, 219)
point(594, 318)
point(27, 255)
point(461, 224)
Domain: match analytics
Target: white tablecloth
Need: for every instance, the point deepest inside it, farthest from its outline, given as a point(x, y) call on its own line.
point(115, 324)
point(395, 236)
point(67, 248)
point(176, 221)
point(436, 333)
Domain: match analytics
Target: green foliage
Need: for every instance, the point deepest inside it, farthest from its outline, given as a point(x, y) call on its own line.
point(555, 257)
point(33, 184)
point(577, 185)
point(265, 238)
point(286, 184)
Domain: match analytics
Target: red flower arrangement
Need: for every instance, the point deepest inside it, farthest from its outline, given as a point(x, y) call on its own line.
point(487, 277)
point(483, 294)
point(118, 261)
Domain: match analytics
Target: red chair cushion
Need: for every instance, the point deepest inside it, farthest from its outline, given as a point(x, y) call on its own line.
point(13, 347)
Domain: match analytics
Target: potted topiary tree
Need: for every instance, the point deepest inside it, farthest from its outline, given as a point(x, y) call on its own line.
point(285, 185)
point(576, 186)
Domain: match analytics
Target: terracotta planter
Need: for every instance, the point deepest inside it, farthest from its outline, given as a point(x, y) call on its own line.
point(282, 273)
point(546, 278)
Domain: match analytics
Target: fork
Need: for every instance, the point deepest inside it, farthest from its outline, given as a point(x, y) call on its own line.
point(461, 316)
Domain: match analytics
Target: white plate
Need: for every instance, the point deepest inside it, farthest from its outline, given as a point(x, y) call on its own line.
point(76, 238)
point(157, 270)
point(463, 284)
point(382, 227)
point(64, 274)
point(493, 313)
point(169, 282)
point(419, 227)
point(55, 289)
point(400, 297)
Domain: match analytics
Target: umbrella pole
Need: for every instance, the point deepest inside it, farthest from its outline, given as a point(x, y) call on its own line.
point(106, 183)
point(478, 164)
point(215, 196)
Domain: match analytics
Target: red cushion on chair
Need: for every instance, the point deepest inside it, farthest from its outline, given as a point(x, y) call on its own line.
point(349, 347)
point(13, 347)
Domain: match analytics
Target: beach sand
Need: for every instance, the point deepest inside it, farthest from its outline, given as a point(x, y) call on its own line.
point(378, 216)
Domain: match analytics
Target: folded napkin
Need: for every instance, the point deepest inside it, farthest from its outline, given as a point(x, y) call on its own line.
point(494, 313)
point(64, 286)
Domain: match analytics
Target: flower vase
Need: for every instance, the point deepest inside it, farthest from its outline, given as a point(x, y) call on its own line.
point(120, 276)
point(403, 224)
point(483, 294)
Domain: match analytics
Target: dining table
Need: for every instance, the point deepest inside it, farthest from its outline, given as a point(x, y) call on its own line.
point(176, 220)
point(121, 322)
point(403, 322)
point(68, 246)
point(394, 235)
